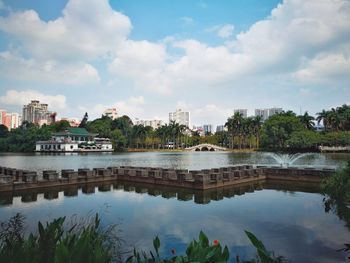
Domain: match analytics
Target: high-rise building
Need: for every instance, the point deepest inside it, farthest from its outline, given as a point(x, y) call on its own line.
point(36, 112)
point(243, 112)
point(10, 120)
point(274, 111)
point(153, 123)
point(112, 113)
point(220, 128)
point(263, 113)
point(2, 116)
point(181, 117)
point(208, 129)
point(266, 113)
point(15, 120)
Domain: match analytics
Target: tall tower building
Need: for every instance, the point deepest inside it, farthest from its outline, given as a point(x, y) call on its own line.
point(263, 113)
point(36, 112)
point(274, 111)
point(243, 112)
point(181, 117)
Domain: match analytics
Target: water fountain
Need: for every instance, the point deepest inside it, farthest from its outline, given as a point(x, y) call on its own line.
point(285, 160)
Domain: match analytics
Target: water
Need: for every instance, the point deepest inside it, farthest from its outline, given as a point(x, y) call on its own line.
point(289, 218)
point(180, 160)
point(286, 160)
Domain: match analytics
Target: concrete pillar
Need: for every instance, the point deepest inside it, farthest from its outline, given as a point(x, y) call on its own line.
point(50, 175)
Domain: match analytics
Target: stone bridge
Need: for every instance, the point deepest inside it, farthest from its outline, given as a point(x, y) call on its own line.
point(205, 147)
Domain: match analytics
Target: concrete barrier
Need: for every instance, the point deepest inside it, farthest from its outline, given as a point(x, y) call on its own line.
point(194, 179)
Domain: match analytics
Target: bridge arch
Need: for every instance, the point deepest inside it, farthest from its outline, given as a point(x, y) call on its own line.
point(205, 147)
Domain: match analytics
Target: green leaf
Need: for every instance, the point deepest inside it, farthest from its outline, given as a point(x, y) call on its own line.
point(226, 254)
point(256, 242)
point(156, 244)
point(203, 239)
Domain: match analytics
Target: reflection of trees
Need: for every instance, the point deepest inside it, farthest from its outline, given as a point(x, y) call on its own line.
point(341, 209)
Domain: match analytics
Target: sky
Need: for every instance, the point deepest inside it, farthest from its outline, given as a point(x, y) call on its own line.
point(147, 58)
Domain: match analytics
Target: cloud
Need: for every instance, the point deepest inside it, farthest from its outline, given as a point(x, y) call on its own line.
point(222, 31)
point(187, 21)
point(212, 114)
point(13, 66)
point(295, 32)
point(133, 107)
point(143, 62)
point(20, 98)
point(225, 31)
point(323, 67)
point(294, 42)
point(87, 29)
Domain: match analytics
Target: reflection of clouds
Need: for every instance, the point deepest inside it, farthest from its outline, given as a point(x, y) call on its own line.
point(129, 196)
point(17, 202)
point(294, 225)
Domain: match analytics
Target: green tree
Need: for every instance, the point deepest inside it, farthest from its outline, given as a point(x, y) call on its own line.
point(307, 121)
point(277, 130)
point(3, 131)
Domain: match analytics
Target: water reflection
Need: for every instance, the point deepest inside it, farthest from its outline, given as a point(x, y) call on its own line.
point(290, 218)
point(178, 160)
point(197, 196)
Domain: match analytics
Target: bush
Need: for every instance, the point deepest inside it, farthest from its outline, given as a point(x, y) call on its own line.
point(53, 244)
point(337, 187)
point(202, 251)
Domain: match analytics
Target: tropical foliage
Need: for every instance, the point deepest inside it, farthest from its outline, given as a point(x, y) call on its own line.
point(202, 251)
point(87, 243)
point(283, 131)
point(337, 187)
point(336, 119)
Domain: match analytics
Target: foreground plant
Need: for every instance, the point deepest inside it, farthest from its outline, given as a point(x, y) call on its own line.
point(204, 252)
point(337, 187)
point(86, 244)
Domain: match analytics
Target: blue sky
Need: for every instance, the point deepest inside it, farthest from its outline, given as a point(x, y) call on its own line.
point(149, 57)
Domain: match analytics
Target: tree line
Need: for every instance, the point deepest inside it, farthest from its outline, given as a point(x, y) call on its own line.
point(282, 131)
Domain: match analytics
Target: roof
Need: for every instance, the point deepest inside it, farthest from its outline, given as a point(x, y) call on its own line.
point(75, 131)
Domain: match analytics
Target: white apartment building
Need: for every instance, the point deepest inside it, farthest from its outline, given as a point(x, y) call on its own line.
point(112, 113)
point(153, 123)
point(36, 112)
point(263, 113)
point(266, 113)
point(181, 117)
point(274, 111)
point(243, 112)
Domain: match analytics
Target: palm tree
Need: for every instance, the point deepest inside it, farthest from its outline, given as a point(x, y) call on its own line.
point(324, 117)
point(307, 121)
point(257, 123)
point(234, 125)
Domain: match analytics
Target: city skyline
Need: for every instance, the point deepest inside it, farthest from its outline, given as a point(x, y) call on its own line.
point(281, 54)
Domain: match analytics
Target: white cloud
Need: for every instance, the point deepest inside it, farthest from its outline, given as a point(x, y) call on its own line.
point(297, 39)
point(133, 107)
point(212, 114)
point(187, 21)
point(47, 71)
point(222, 31)
point(20, 98)
point(325, 66)
point(225, 31)
point(87, 29)
point(144, 62)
